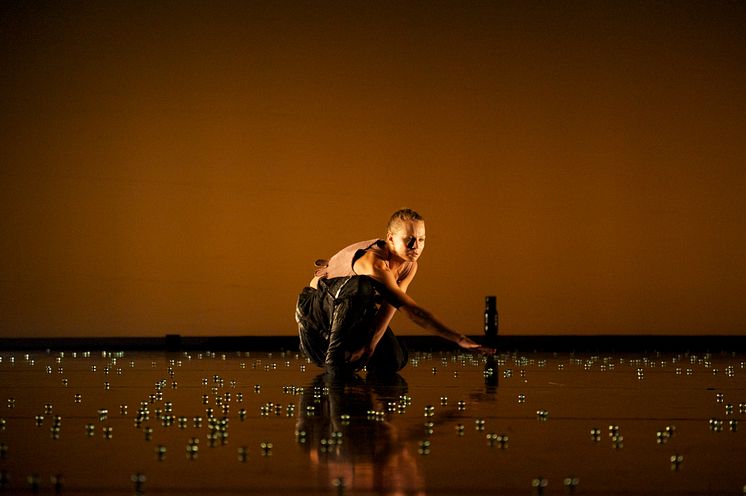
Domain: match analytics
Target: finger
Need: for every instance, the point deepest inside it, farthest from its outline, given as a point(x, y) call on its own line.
point(470, 344)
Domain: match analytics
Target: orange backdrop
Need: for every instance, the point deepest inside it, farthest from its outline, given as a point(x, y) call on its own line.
point(176, 167)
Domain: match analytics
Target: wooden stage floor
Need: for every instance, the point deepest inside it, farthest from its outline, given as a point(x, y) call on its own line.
point(82, 423)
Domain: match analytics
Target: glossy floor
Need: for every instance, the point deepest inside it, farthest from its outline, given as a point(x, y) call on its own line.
point(450, 423)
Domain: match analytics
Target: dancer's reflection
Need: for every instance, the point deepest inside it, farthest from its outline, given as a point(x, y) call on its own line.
point(348, 443)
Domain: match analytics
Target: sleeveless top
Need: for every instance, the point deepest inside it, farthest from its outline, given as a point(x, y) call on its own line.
point(340, 265)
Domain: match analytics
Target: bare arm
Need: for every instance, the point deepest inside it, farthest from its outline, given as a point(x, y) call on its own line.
point(386, 312)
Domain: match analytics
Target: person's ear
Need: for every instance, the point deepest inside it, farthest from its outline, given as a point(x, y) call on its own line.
point(390, 237)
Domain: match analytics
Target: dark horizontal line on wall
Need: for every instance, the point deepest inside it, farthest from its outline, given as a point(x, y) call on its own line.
point(546, 343)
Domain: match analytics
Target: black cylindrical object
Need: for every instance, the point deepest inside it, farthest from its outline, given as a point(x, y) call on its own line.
point(491, 321)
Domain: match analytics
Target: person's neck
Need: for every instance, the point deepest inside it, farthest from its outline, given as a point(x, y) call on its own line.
point(394, 261)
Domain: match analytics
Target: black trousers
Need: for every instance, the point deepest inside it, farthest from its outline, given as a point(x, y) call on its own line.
point(337, 319)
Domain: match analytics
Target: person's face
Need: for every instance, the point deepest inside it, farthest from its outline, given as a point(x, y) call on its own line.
point(408, 240)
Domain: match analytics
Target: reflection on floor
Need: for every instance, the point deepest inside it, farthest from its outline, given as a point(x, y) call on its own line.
point(450, 423)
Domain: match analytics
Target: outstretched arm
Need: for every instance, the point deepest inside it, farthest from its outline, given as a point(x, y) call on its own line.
point(379, 270)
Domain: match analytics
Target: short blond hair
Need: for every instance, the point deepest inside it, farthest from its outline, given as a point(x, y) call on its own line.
point(401, 215)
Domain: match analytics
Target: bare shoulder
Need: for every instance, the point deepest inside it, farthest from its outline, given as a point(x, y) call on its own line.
point(370, 263)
